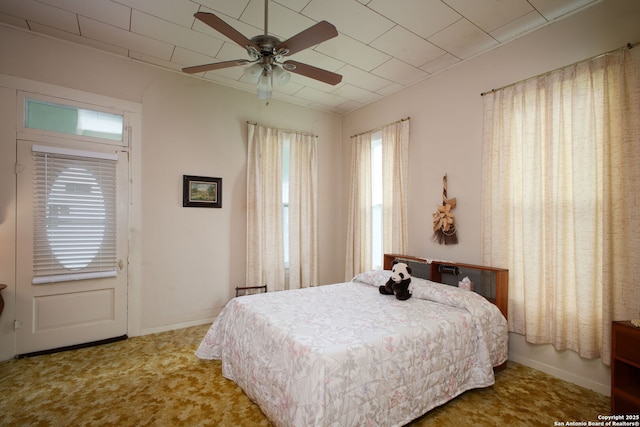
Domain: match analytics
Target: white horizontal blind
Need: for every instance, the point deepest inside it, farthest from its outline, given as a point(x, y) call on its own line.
point(74, 215)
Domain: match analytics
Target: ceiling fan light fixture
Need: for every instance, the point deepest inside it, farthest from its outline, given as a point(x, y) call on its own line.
point(254, 72)
point(282, 77)
point(265, 85)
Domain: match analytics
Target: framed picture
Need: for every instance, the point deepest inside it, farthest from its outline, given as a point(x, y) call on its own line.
point(201, 192)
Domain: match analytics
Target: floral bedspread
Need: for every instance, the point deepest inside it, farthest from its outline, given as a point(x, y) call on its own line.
point(345, 355)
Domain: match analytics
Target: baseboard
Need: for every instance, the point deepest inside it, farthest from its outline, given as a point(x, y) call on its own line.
point(175, 326)
point(604, 389)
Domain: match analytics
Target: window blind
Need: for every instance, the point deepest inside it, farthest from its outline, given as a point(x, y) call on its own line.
point(74, 215)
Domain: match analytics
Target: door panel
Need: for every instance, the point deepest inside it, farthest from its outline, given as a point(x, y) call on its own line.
point(64, 313)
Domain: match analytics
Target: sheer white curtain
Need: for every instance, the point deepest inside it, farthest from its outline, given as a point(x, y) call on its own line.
point(358, 257)
point(395, 161)
point(303, 203)
point(561, 198)
point(266, 208)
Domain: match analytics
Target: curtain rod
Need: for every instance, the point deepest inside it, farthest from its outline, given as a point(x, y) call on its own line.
point(285, 130)
point(628, 46)
point(380, 127)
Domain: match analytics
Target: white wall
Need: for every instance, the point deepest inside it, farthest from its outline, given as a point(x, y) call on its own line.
point(446, 137)
point(185, 262)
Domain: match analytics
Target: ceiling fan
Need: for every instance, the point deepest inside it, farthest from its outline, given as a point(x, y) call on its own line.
point(267, 53)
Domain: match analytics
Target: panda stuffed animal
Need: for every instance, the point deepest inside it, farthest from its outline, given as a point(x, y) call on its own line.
point(399, 283)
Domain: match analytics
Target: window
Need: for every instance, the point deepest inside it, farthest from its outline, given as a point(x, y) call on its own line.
point(560, 186)
point(282, 208)
point(74, 214)
point(71, 120)
point(376, 220)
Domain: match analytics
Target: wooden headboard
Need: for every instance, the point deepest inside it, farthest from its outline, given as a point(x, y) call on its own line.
point(490, 282)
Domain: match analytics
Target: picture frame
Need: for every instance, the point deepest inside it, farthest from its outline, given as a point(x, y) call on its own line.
point(201, 192)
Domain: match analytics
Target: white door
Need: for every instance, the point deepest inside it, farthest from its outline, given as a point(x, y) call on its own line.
point(83, 298)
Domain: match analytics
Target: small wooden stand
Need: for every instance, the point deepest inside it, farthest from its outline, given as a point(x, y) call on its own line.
point(247, 290)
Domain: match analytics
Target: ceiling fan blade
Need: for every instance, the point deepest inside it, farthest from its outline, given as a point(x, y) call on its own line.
point(312, 72)
point(215, 66)
point(222, 27)
point(310, 37)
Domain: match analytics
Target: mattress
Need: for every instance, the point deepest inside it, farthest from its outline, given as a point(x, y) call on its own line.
point(345, 355)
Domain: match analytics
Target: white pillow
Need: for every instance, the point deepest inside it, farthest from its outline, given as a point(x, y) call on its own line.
point(373, 277)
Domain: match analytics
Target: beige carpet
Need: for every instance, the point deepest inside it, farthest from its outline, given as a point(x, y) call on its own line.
point(156, 380)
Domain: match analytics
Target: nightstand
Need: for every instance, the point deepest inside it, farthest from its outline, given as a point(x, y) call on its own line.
point(625, 368)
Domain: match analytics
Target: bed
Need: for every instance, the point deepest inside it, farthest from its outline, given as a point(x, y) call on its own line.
point(345, 355)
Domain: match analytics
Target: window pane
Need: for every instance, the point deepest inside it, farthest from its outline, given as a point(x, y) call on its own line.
point(72, 120)
point(74, 217)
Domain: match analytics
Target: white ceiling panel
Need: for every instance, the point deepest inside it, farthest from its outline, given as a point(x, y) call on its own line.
point(98, 31)
point(423, 17)
point(41, 13)
point(440, 63)
point(401, 72)
point(296, 5)
point(185, 57)
point(14, 21)
point(159, 29)
point(463, 39)
point(282, 22)
point(353, 19)
point(76, 38)
point(353, 52)
point(362, 79)
point(382, 46)
point(553, 9)
point(407, 46)
point(490, 14)
point(353, 92)
point(177, 11)
point(107, 11)
point(517, 27)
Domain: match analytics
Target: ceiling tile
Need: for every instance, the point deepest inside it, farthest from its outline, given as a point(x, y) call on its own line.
point(76, 38)
point(14, 20)
point(41, 13)
point(141, 57)
point(490, 14)
point(159, 29)
point(398, 71)
point(232, 9)
point(553, 9)
point(177, 11)
point(321, 97)
point(463, 39)
point(407, 46)
point(357, 94)
point(391, 88)
point(187, 58)
point(357, 77)
point(282, 22)
point(440, 63)
point(296, 5)
point(518, 27)
point(423, 17)
point(353, 52)
point(98, 31)
point(350, 18)
point(105, 11)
